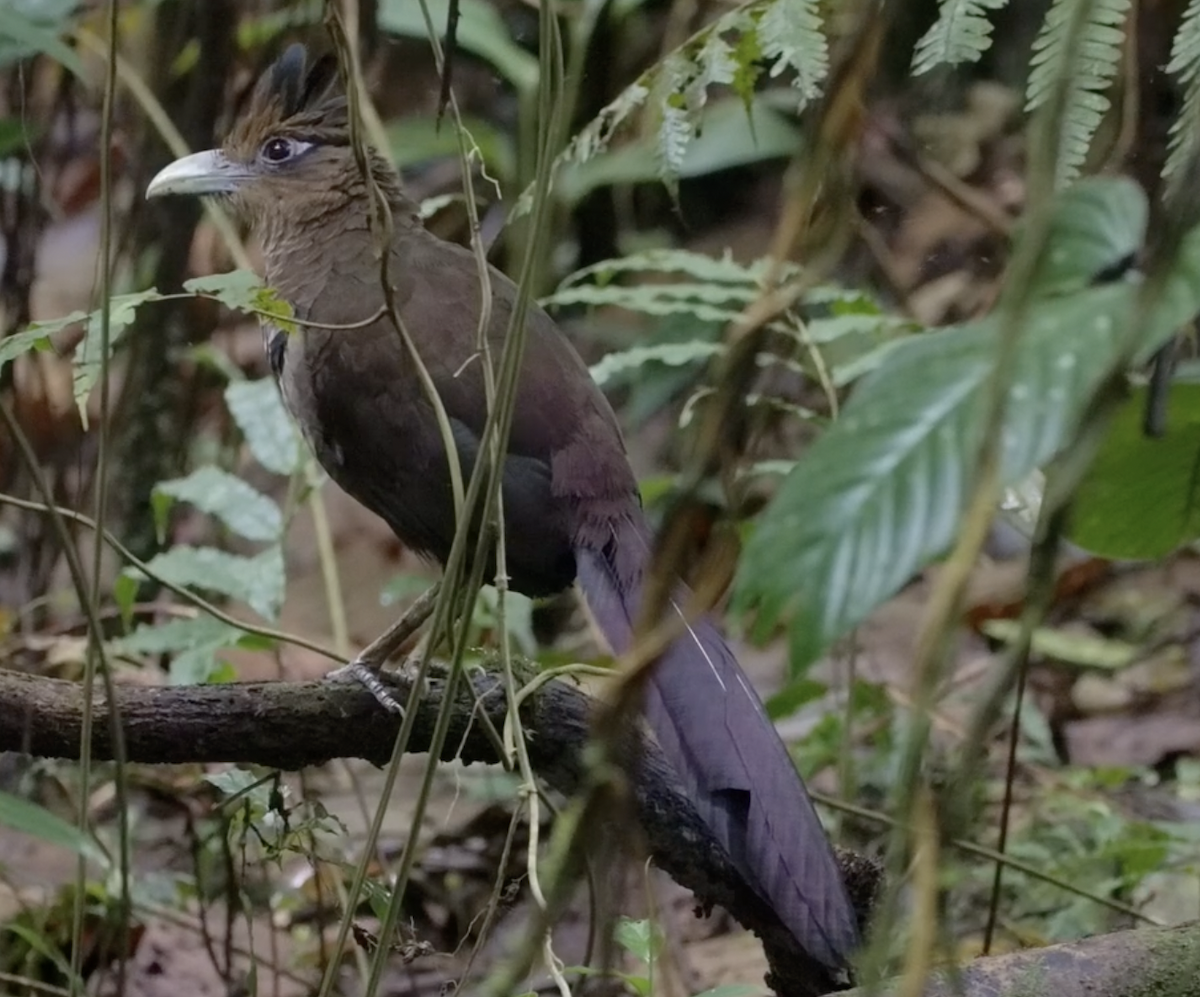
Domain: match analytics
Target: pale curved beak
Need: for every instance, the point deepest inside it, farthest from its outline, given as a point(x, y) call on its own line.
point(210, 172)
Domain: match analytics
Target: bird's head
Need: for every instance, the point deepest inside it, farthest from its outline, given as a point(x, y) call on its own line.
point(290, 149)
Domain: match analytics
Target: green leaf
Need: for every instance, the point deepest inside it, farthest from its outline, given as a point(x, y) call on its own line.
point(961, 33)
point(244, 290)
point(639, 938)
point(724, 52)
point(733, 135)
point(125, 590)
point(258, 581)
point(671, 354)
point(1080, 43)
point(402, 587)
point(1184, 65)
point(237, 781)
point(193, 644)
point(271, 308)
point(16, 134)
point(34, 338)
point(244, 509)
point(258, 410)
point(179, 635)
point(41, 943)
point(40, 823)
point(481, 31)
point(1141, 498)
point(880, 493)
point(704, 268)
point(678, 120)
point(33, 26)
point(234, 289)
point(122, 310)
point(794, 695)
point(790, 33)
point(1096, 229)
point(416, 139)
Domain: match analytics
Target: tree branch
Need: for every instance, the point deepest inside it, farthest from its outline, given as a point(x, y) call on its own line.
point(1147, 962)
point(291, 725)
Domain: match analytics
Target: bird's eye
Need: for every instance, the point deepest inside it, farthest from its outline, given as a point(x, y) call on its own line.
point(280, 150)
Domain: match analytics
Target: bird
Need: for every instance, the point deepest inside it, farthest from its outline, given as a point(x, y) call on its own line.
point(571, 507)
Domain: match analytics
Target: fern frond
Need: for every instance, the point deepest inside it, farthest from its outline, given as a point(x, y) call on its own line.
point(678, 125)
point(961, 33)
point(785, 34)
point(1185, 67)
point(789, 32)
point(700, 266)
point(1089, 62)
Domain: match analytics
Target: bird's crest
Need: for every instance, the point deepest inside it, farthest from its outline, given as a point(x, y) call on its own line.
point(293, 100)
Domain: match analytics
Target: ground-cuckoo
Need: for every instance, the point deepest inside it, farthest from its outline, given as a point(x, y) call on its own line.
point(570, 500)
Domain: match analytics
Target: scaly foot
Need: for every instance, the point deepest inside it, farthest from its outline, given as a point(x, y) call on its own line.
point(368, 677)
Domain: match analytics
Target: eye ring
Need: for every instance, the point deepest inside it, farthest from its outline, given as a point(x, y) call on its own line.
point(278, 150)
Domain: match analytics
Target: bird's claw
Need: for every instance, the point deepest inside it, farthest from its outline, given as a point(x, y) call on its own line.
point(368, 677)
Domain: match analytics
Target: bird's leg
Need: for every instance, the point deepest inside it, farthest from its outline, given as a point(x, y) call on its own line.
point(366, 667)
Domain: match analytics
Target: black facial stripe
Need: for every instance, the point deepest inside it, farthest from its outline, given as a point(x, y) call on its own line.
point(275, 341)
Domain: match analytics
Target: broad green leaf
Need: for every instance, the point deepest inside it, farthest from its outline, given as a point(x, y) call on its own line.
point(122, 309)
point(241, 507)
point(258, 581)
point(481, 31)
point(419, 138)
point(51, 326)
point(638, 938)
point(29, 27)
point(1096, 230)
point(193, 644)
point(234, 289)
point(245, 291)
point(38, 822)
point(33, 338)
point(880, 493)
point(794, 695)
point(1174, 305)
point(401, 588)
point(199, 666)
point(179, 635)
point(1141, 498)
point(238, 782)
point(258, 410)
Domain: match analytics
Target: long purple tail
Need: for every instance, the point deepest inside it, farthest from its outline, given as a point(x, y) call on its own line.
point(713, 729)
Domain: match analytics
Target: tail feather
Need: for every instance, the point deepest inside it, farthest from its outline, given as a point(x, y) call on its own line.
point(714, 731)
